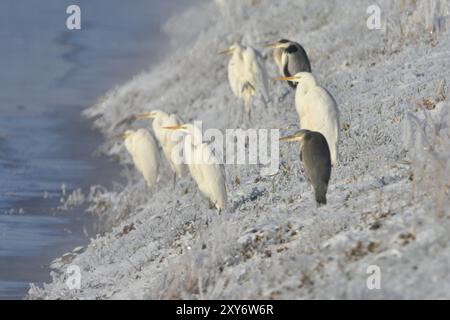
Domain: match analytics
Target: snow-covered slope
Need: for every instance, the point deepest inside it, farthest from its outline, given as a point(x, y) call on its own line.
point(388, 201)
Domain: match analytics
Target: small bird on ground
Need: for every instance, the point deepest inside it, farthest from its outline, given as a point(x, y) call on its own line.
point(315, 156)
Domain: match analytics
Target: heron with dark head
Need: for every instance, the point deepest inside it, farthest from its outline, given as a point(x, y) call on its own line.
point(315, 156)
point(291, 58)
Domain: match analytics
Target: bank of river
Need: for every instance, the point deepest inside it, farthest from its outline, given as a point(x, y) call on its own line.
point(49, 75)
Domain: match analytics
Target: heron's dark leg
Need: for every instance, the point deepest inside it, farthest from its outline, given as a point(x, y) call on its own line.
point(246, 111)
point(211, 204)
point(242, 115)
point(174, 180)
point(247, 91)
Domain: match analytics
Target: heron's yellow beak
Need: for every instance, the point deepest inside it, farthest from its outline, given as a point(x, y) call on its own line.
point(144, 115)
point(291, 138)
point(179, 127)
point(122, 136)
point(227, 51)
point(291, 78)
point(274, 45)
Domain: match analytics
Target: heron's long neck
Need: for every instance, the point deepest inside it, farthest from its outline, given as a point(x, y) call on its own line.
point(306, 87)
point(157, 124)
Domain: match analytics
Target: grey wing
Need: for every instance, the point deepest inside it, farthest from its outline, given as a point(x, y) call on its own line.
point(317, 161)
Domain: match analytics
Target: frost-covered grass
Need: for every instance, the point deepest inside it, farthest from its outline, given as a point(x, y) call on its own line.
point(388, 201)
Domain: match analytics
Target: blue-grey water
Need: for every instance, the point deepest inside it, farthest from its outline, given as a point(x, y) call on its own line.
point(48, 75)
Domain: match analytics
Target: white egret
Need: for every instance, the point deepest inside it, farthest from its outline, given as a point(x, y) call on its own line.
point(145, 153)
point(204, 167)
point(166, 138)
point(291, 58)
point(247, 74)
point(315, 156)
point(317, 110)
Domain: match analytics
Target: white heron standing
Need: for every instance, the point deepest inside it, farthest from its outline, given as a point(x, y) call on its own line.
point(247, 74)
point(291, 58)
point(204, 167)
point(166, 138)
point(316, 109)
point(145, 153)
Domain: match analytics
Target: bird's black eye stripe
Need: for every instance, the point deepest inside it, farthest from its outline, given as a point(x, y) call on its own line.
point(283, 41)
point(291, 49)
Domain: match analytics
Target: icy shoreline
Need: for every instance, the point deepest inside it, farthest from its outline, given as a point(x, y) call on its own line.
point(388, 198)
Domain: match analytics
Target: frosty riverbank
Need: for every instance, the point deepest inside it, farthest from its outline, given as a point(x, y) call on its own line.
point(388, 198)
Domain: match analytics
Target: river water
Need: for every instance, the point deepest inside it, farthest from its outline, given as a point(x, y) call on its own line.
point(48, 75)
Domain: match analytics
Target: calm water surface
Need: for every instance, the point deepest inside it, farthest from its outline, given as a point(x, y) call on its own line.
point(48, 75)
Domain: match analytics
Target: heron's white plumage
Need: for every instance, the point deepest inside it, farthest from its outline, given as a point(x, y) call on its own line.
point(257, 72)
point(235, 67)
point(317, 110)
point(145, 154)
point(167, 138)
point(206, 170)
point(247, 74)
